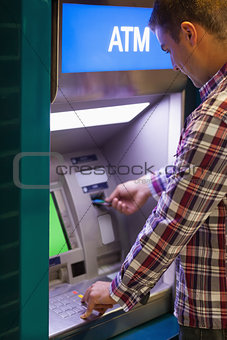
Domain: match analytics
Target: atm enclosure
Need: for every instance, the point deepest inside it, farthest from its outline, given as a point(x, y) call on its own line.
point(88, 162)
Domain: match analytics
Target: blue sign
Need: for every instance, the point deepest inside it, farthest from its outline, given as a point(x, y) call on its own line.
point(99, 38)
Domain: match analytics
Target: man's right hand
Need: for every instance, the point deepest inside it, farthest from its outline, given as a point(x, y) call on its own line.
point(129, 197)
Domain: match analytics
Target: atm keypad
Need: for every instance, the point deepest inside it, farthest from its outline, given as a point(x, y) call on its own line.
point(67, 304)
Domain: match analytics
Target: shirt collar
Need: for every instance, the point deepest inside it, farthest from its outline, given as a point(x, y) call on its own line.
point(213, 82)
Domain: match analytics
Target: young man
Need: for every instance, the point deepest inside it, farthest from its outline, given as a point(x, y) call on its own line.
point(189, 222)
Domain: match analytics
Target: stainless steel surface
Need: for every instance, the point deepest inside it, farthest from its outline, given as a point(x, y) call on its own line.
point(61, 296)
point(60, 327)
point(88, 90)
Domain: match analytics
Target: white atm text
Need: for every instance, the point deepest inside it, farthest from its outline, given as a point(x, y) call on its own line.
point(131, 37)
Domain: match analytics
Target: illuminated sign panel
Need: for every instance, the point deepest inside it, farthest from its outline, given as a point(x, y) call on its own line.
point(99, 38)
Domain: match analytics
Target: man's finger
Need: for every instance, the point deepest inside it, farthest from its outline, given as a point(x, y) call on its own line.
point(88, 312)
point(114, 194)
point(115, 202)
point(86, 295)
point(101, 311)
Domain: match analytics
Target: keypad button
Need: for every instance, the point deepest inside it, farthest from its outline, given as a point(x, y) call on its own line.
point(52, 306)
point(71, 312)
point(58, 304)
point(57, 310)
point(66, 301)
point(66, 307)
point(60, 297)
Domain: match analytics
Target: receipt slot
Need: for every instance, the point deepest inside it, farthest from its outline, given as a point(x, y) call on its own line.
point(106, 228)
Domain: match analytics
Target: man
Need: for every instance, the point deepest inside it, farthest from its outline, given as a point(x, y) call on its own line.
point(189, 221)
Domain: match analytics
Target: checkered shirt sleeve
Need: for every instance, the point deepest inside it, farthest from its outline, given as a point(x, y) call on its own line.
point(191, 203)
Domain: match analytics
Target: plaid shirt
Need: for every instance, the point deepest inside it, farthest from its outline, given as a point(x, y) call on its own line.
point(189, 221)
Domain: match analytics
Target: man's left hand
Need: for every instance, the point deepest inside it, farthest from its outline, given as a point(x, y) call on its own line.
point(97, 297)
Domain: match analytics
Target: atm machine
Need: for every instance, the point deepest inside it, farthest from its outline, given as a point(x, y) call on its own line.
point(116, 114)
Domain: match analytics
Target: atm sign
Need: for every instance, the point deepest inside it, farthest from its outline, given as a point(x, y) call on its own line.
point(130, 35)
point(98, 38)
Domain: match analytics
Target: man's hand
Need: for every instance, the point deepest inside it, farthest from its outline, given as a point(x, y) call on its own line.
point(97, 297)
point(130, 196)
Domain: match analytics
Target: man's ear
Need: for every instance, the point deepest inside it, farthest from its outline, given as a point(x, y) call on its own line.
point(189, 32)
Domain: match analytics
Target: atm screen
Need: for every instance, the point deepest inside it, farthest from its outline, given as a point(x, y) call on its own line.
point(58, 242)
point(98, 38)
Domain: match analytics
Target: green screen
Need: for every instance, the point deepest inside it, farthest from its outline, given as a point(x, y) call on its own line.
point(57, 241)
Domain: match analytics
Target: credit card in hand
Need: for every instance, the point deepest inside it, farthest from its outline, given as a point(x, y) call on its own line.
point(101, 202)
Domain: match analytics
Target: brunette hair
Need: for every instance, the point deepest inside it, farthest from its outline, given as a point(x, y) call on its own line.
point(210, 14)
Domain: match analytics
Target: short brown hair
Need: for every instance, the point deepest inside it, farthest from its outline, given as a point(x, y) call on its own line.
point(210, 14)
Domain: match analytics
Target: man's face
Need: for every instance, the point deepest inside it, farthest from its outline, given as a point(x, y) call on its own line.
point(181, 54)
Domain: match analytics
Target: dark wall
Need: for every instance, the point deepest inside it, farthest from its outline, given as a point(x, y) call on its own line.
point(25, 37)
point(10, 103)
